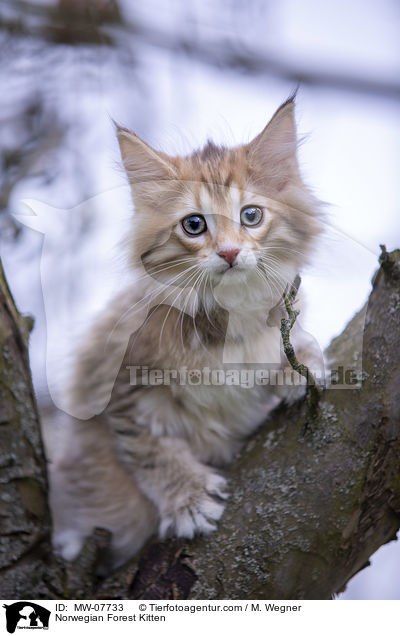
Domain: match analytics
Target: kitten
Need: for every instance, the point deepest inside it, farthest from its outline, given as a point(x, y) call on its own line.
point(217, 236)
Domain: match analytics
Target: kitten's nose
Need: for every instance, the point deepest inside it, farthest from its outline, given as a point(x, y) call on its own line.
point(229, 255)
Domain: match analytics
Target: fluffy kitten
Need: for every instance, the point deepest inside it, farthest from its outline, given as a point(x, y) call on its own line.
point(217, 236)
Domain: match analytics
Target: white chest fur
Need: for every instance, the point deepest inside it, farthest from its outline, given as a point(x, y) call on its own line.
point(214, 407)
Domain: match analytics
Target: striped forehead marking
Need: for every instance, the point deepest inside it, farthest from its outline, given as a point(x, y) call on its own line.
point(227, 204)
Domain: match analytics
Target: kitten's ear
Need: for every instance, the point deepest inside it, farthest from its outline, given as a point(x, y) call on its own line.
point(273, 151)
point(142, 163)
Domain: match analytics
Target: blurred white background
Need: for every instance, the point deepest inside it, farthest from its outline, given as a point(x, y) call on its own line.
point(177, 73)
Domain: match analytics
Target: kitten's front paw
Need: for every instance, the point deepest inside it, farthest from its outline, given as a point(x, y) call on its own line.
point(195, 507)
point(68, 543)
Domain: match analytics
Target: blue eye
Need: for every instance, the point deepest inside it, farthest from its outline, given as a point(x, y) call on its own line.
point(194, 224)
point(251, 215)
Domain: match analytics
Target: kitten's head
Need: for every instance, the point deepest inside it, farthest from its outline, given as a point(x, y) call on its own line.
point(223, 216)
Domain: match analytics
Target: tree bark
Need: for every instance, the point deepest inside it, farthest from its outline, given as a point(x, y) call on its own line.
point(26, 562)
point(311, 497)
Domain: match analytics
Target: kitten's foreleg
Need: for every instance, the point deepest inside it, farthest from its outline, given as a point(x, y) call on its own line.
point(187, 494)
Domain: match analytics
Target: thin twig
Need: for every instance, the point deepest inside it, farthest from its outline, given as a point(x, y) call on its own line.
point(313, 391)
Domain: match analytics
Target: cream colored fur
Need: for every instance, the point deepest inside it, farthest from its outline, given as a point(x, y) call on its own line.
point(141, 460)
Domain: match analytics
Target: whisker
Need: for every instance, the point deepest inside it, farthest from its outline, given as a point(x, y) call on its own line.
point(143, 300)
point(175, 299)
point(199, 282)
point(272, 263)
point(283, 248)
point(157, 269)
point(274, 280)
point(174, 260)
point(205, 303)
point(261, 274)
point(180, 316)
point(280, 280)
point(159, 305)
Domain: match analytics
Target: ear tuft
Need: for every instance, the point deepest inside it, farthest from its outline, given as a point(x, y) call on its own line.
point(142, 163)
point(273, 152)
point(281, 129)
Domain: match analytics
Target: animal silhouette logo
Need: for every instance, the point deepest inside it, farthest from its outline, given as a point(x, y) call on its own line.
point(26, 615)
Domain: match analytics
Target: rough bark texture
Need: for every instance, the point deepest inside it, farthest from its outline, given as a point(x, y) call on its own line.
point(26, 568)
point(311, 499)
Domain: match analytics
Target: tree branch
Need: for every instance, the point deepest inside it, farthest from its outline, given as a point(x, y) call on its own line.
point(308, 506)
point(90, 22)
point(26, 565)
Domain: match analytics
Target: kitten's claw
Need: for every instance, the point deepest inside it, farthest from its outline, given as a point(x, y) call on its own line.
point(216, 485)
point(190, 521)
point(198, 512)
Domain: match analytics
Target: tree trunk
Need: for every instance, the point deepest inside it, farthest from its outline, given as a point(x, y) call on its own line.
point(26, 563)
point(312, 497)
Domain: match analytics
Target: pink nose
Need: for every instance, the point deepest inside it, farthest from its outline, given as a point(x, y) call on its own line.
point(229, 255)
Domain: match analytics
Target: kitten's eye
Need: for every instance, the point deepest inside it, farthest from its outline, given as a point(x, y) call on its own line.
point(194, 224)
point(251, 215)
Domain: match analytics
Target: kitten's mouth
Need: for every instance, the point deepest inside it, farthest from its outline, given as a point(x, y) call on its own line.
point(231, 271)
